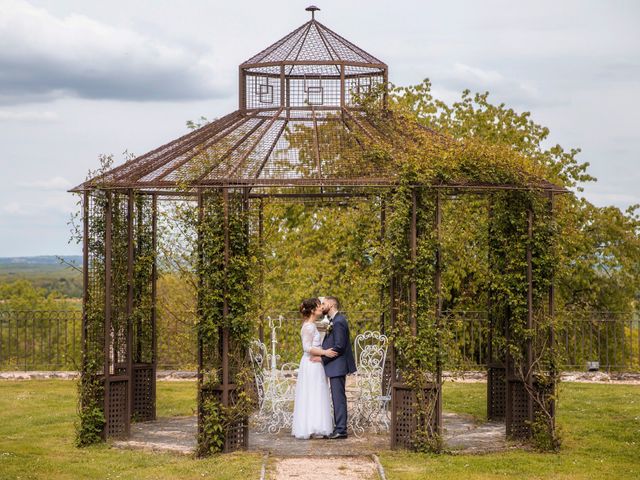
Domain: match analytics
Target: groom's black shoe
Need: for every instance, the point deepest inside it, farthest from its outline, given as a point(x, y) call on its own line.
point(335, 435)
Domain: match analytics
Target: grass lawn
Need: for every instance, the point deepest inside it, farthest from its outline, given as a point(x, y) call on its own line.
point(600, 426)
point(37, 432)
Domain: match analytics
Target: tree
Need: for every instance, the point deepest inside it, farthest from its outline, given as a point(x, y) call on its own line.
point(599, 246)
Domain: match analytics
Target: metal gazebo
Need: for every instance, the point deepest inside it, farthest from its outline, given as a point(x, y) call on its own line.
point(294, 135)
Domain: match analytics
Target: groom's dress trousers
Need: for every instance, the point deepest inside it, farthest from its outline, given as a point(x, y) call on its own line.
point(337, 368)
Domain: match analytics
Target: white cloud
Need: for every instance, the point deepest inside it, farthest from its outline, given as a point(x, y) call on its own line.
point(45, 57)
point(13, 116)
point(54, 183)
point(462, 76)
point(40, 207)
point(621, 200)
point(485, 77)
point(13, 208)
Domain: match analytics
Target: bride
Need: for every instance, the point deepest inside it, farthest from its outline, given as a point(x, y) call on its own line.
point(312, 408)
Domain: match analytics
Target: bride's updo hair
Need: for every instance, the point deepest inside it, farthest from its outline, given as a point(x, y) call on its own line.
point(308, 306)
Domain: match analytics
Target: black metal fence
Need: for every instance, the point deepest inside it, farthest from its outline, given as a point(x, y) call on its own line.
point(51, 339)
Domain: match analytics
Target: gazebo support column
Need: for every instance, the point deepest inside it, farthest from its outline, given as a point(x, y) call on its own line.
point(438, 292)
point(496, 370)
point(262, 266)
point(520, 386)
point(154, 294)
point(200, 313)
point(225, 304)
point(129, 307)
point(219, 355)
point(406, 418)
point(552, 313)
point(107, 312)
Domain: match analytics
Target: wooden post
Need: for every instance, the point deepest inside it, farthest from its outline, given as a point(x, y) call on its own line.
point(385, 93)
point(107, 307)
point(154, 295)
point(383, 222)
point(342, 87)
point(200, 307)
point(438, 288)
point(413, 246)
point(85, 271)
point(393, 379)
point(225, 304)
point(242, 89)
point(529, 346)
point(262, 265)
point(552, 314)
point(283, 92)
point(130, 307)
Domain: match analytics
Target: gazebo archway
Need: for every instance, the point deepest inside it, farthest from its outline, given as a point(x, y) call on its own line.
point(299, 132)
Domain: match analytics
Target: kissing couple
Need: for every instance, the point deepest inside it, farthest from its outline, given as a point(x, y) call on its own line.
point(324, 362)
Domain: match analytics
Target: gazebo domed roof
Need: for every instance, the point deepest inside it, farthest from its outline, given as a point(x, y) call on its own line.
point(314, 49)
point(298, 124)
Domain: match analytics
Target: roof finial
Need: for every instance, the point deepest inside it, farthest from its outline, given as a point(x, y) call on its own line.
point(313, 9)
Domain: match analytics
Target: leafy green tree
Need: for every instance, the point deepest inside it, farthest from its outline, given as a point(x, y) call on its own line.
point(23, 295)
point(599, 246)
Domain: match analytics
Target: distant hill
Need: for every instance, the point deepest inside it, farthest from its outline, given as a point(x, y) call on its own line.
point(45, 271)
point(39, 260)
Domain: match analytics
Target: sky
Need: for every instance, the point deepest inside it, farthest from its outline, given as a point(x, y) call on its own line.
point(81, 78)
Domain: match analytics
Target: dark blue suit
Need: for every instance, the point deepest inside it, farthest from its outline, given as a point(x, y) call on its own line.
point(337, 368)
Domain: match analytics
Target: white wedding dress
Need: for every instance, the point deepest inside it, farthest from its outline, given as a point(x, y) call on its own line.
point(312, 408)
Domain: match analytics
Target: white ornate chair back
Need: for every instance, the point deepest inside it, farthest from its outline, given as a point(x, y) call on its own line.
point(259, 362)
point(370, 350)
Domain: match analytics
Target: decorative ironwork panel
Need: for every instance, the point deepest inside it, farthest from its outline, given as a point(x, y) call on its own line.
point(262, 91)
point(370, 408)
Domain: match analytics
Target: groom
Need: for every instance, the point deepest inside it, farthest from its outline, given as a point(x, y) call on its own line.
point(337, 338)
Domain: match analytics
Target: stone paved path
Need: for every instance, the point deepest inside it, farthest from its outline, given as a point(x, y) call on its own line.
point(283, 444)
point(169, 434)
point(178, 434)
point(314, 468)
point(462, 434)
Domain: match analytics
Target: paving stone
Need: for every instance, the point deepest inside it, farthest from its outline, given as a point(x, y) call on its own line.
point(323, 468)
point(178, 434)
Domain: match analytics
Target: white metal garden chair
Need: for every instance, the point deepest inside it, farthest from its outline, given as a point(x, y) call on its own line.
point(370, 409)
point(275, 388)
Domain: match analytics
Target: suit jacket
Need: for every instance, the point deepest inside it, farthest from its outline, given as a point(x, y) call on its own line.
point(339, 340)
